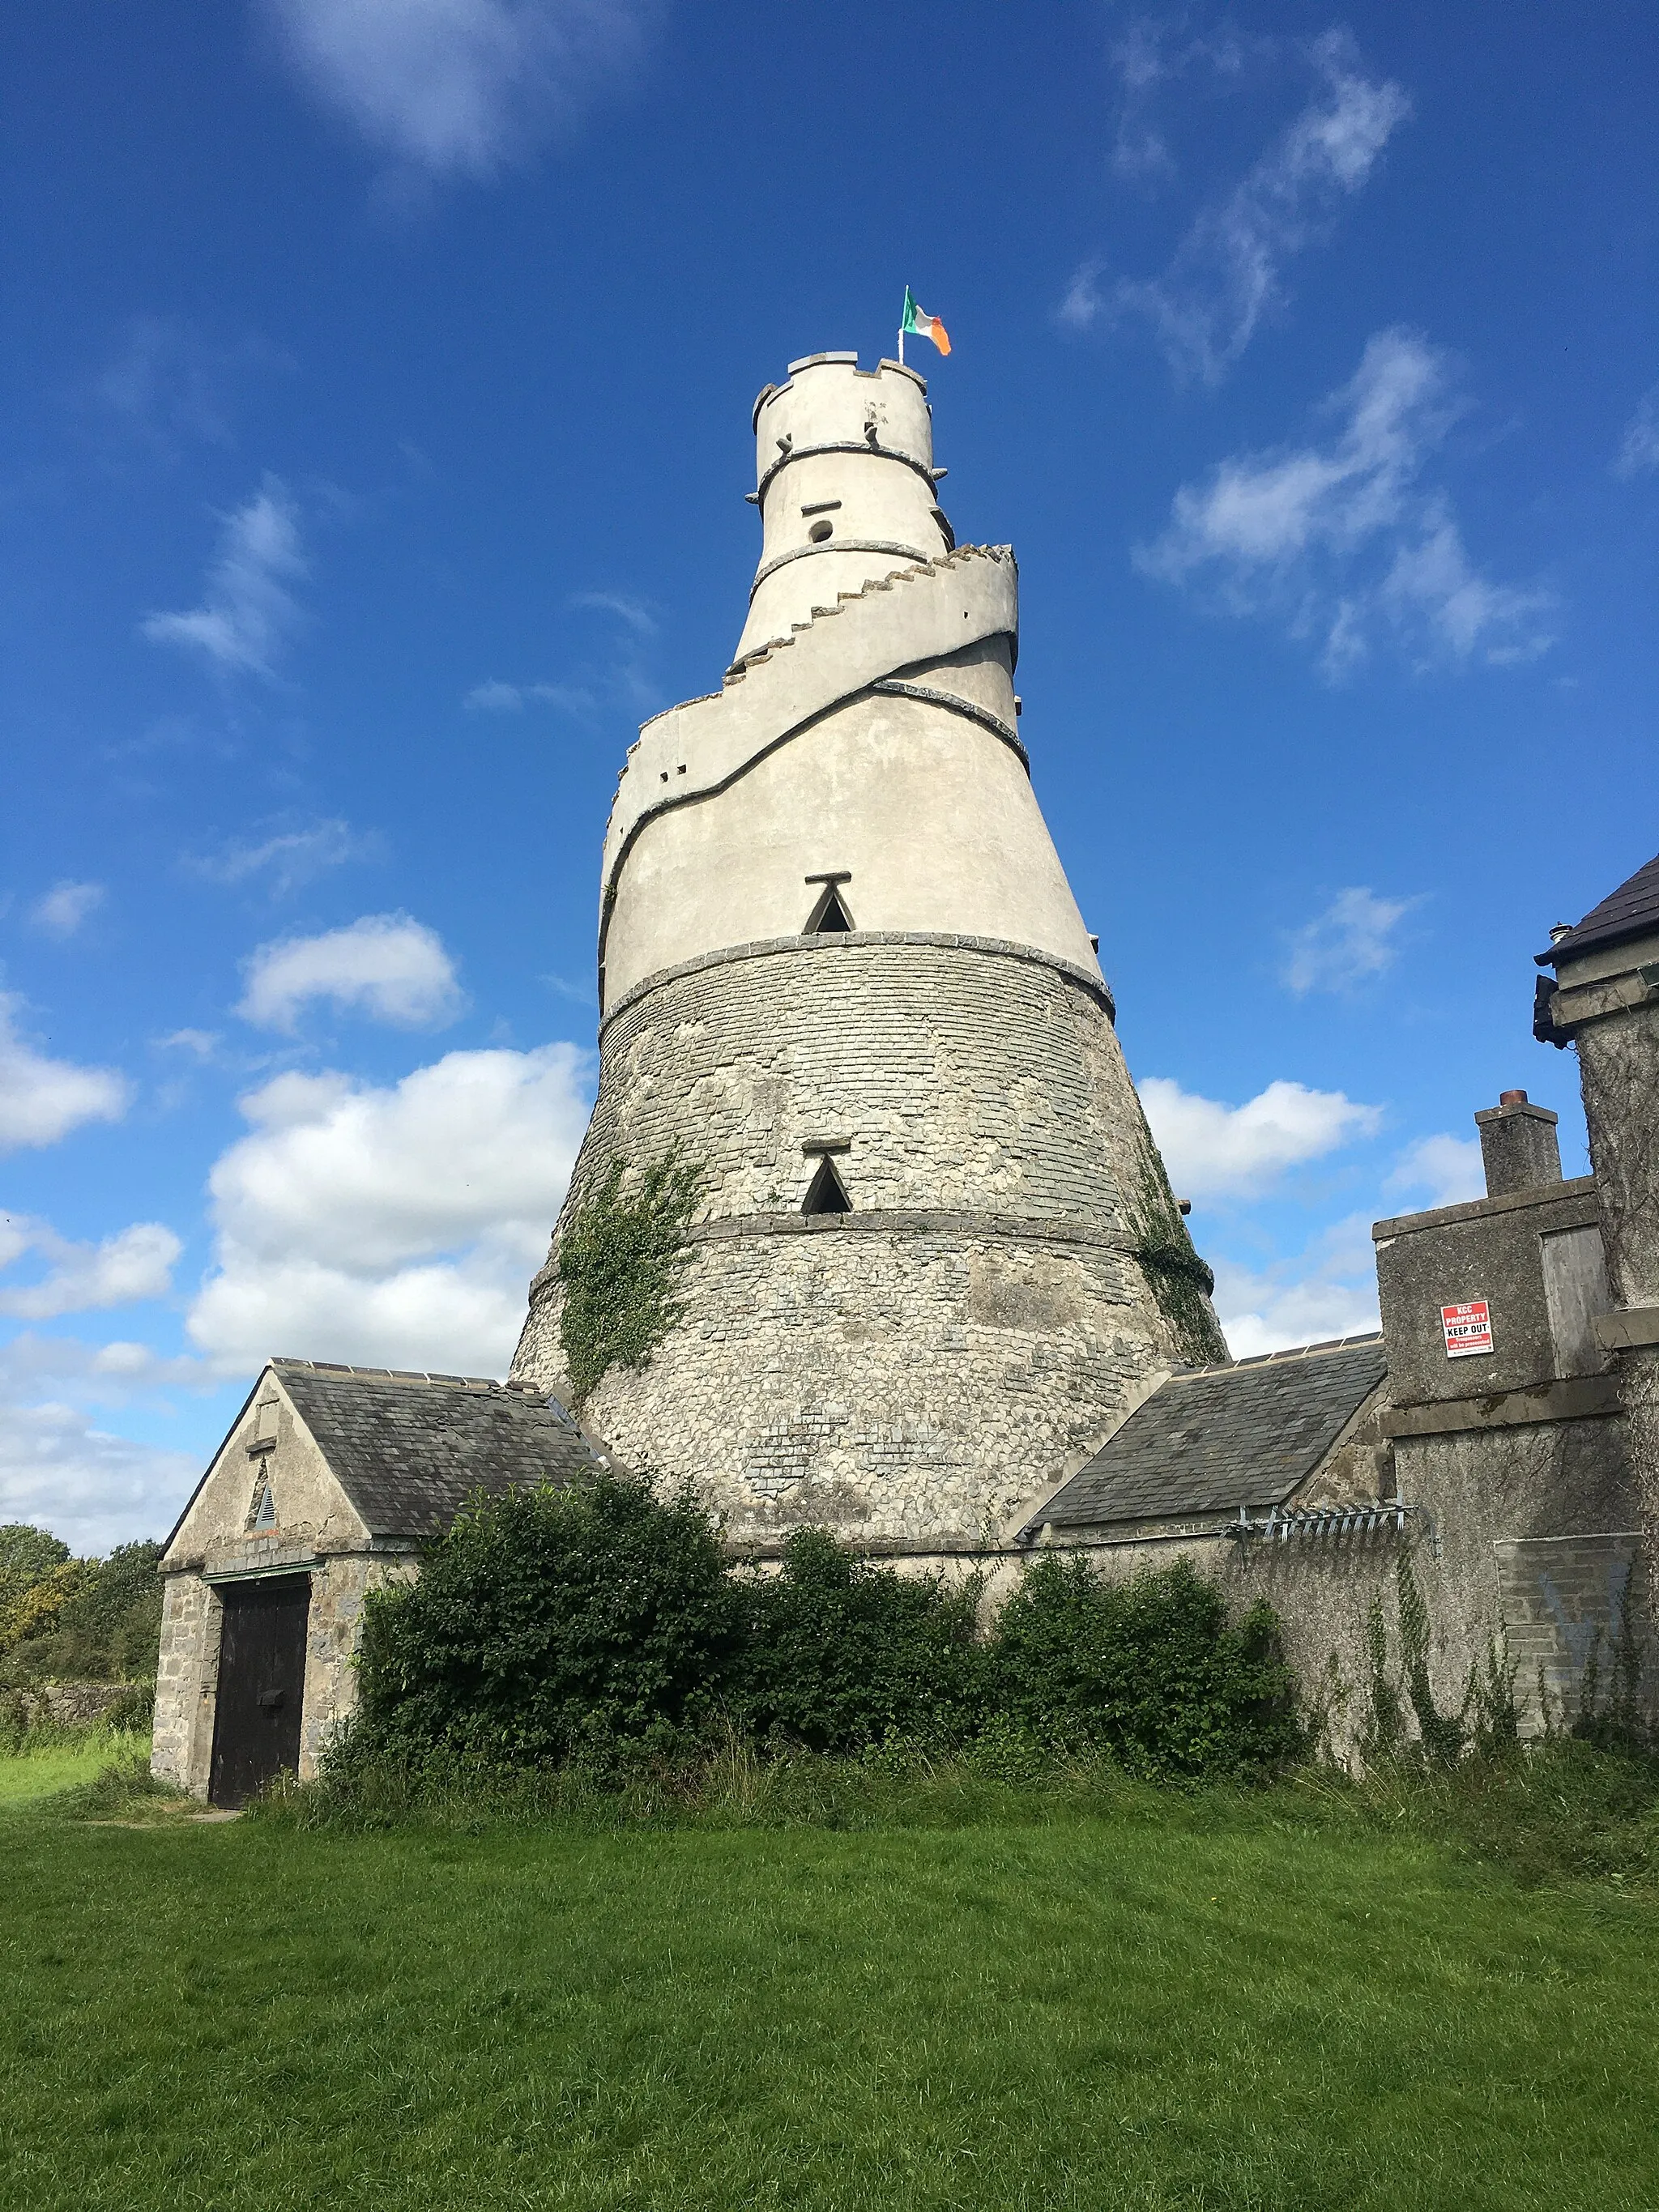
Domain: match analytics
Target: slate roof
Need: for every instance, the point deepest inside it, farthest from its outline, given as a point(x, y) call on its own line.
point(409, 1450)
point(1631, 911)
point(1215, 1438)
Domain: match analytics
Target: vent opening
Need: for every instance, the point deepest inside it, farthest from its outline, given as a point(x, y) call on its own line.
point(826, 1193)
point(819, 531)
point(829, 914)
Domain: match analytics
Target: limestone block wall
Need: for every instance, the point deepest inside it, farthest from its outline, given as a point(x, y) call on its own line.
point(186, 1680)
point(334, 1633)
point(938, 1357)
point(1565, 1601)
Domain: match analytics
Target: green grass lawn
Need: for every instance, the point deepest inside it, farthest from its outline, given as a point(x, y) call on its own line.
point(1216, 2003)
point(60, 1763)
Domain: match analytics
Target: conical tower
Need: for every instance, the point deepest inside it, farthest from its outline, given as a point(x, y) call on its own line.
point(935, 1259)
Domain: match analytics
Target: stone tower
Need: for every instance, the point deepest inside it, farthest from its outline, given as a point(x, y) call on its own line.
point(936, 1259)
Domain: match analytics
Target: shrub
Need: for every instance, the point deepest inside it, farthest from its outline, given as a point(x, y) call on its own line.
point(840, 1655)
point(1149, 1669)
point(77, 1620)
point(549, 1625)
point(601, 1626)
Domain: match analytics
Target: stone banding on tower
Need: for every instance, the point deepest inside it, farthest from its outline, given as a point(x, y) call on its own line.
point(833, 922)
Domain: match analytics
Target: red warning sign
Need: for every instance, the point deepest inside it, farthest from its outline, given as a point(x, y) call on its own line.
point(1469, 1328)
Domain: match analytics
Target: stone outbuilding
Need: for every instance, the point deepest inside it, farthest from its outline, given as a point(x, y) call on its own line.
point(330, 1482)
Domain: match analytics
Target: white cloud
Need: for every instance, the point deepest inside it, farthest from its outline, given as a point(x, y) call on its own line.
point(1147, 57)
point(1329, 1291)
point(494, 697)
point(65, 907)
point(395, 1226)
point(1340, 540)
point(1084, 297)
point(135, 1263)
point(247, 613)
point(634, 612)
point(1638, 453)
point(63, 1470)
point(1228, 271)
point(1444, 1169)
point(1216, 1151)
point(1351, 941)
point(42, 1099)
point(287, 858)
point(171, 381)
point(200, 1044)
point(392, 968)
point(93, 1489)
point(458, 86)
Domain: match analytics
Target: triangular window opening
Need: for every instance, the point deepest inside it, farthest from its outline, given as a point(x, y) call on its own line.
point(826, 1193)
point(264, 1510)
point(828, 914)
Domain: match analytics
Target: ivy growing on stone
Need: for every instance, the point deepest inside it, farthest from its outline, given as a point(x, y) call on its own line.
point(619, 1258)
point(1178, 1280)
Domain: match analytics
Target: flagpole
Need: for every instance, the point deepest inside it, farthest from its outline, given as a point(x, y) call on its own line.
point(901, 348)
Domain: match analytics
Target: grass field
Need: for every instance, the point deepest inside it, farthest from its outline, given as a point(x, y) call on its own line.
point(1217, 2002)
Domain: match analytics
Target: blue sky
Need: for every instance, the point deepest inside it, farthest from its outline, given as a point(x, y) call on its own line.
point(375, 430)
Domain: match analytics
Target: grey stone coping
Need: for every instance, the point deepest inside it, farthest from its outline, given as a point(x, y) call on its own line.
point(841, 445)
point(265, 1571)
point(1583, 1216)
point(704, 792)
point(896, 687)
point(1574, 1398)
point(837, 545)
point(835, 941)
point(883, 1221)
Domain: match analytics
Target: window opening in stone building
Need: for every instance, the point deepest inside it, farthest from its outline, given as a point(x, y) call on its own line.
point(826, 1193)
point(820, 531)
point(264, 1510)
point(830, 913)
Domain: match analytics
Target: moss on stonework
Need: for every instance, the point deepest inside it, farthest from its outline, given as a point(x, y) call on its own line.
point(1178, 1280)
point(620, 1254)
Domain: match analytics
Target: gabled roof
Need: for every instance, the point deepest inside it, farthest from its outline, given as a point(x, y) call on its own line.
point(1214, 1438)
point(409, 1450)
point(1631, 911)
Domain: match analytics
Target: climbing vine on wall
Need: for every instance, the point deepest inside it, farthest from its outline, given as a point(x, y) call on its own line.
point(620, 1255)
point(1178, 1280)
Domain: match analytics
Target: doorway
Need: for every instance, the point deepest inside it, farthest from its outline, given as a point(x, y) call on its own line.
point(262, 1676)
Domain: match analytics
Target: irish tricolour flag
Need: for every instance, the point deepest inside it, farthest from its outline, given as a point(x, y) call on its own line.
point(922, 325)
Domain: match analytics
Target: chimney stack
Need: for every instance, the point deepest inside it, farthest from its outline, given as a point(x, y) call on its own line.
point(1519, 1148)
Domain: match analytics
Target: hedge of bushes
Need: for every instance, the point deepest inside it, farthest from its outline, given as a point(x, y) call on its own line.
point(603, 1625)
point(68, 1620)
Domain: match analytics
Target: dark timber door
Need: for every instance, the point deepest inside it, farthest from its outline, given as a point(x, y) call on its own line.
point(262, 1675)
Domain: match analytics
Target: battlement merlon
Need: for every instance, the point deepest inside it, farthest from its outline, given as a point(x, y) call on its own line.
point(846, 485)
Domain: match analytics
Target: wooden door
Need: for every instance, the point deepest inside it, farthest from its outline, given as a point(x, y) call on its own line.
point(262, 1676)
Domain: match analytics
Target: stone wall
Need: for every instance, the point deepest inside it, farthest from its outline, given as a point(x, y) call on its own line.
point(186, 1678)
point(65, 1704)
point(943, 1354)
point(1566, 1601)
